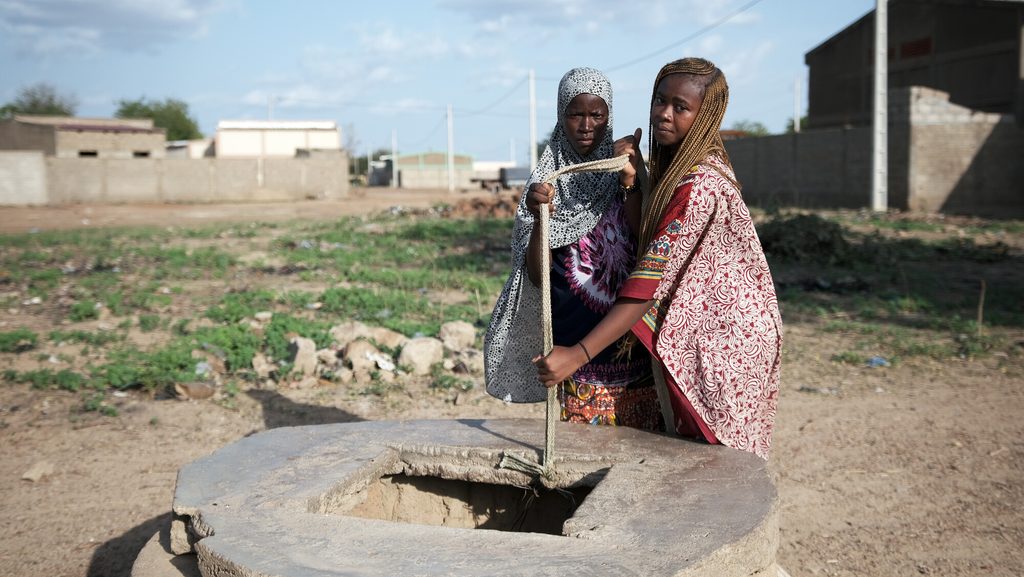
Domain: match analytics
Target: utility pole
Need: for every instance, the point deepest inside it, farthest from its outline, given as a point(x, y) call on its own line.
point(880, 118)
point(796, 106)
point(451, 151)
point(394, 158)
point(533, 121)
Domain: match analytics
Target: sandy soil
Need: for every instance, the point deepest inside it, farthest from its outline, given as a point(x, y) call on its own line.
point(903, 470)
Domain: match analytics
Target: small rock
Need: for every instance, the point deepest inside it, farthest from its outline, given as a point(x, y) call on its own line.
point(38, 471)
point(263, 367)
point(457, 335)
point(420, 354)
point(344, 375)
point(347, 332)
point(469, 361)
point(387, 338)
point(303, 355)
point(327, 357)
point(181, 537)
point(264, 316)
point(193, 391)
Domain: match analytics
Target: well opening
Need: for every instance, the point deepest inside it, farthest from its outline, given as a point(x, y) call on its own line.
point(443, 502)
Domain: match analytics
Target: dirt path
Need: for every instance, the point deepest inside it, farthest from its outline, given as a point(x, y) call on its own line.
point(361, 201)
point(913, 469)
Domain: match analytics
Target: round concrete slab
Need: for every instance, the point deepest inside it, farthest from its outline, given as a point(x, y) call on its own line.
point(276, 503)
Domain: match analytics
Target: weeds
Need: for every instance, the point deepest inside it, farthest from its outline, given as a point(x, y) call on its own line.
point(17, 341)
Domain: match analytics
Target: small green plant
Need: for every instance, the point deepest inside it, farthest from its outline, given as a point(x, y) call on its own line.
point(94, 338)
point(65, 380)
point(17, 341)
point(148, 323)
point(84, 311)
point(97, 403)
point(442, 379)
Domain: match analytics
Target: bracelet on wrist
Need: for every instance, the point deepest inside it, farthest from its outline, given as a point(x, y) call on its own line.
point(585, 351)
point(626, 190)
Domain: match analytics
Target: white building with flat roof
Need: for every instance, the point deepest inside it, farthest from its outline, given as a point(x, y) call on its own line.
point(275, 138)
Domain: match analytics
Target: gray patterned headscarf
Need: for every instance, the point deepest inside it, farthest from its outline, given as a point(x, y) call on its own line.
point(514, 335)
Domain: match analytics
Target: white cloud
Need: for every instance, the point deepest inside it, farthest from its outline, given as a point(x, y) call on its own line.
point(46, 27)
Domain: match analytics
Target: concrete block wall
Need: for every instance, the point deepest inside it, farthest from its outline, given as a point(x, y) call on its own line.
point(961, 160)
point(434, 178)
point(942, 158)
point(31, 178)
point(23, 178)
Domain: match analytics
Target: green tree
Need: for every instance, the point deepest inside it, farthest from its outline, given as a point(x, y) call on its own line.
point(751, 127)
point(40, 98)
point(172, 115)
point(789, 124)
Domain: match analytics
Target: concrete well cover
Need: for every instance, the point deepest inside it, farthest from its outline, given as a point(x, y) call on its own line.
point(267, 505)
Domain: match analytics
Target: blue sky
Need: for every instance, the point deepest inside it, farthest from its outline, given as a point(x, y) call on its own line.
point(383, 66)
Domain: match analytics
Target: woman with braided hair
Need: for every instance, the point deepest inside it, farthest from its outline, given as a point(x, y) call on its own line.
point(593, 250)
point(701, 299)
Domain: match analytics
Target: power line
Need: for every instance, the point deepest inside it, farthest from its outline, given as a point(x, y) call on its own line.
point(696, 34)
point(504, 97)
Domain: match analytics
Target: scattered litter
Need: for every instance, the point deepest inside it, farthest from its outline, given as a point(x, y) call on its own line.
point(314, 306)
point(120, 394)
point(877, 361)
point(32, 301)
point(879, 390)
point(53, 360)
point(383, 362)
point(203, 368)
point(305, 244)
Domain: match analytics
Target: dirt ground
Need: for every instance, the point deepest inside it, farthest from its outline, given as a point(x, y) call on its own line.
point(909, 469)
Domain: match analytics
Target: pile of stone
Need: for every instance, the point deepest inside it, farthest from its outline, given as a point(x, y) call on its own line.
point(361, 353)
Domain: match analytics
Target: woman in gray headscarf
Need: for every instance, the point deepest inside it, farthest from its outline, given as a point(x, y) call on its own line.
point(593, 250)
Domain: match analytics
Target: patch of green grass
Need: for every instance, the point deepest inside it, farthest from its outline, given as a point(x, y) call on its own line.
point(94, 338)
point(442, 379)
point(84, 311)
point(237, 306)
point(235, 344)
point(282, 327)
point(65, 380)
point(97, 403)
point(152, 371)
point(149, 323)
point(17, 341)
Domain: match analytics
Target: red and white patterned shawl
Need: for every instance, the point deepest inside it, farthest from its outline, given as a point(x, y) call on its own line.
point(715, 326)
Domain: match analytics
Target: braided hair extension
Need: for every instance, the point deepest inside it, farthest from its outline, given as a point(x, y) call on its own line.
point(669, 164)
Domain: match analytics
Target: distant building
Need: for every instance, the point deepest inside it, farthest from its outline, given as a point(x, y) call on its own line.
point(198, 148)
point(969, 49)
point(275, 138)
point(430, 170)
point(73, 137)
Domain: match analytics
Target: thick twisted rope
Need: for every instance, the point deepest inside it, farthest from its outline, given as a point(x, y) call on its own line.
point(614, 164)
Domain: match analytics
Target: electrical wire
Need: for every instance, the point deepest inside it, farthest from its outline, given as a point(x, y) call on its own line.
point(696, 34)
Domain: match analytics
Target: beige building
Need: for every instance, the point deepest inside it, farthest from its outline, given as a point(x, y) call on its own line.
point(430, 170)
point(275, 138)
point(72, 137)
